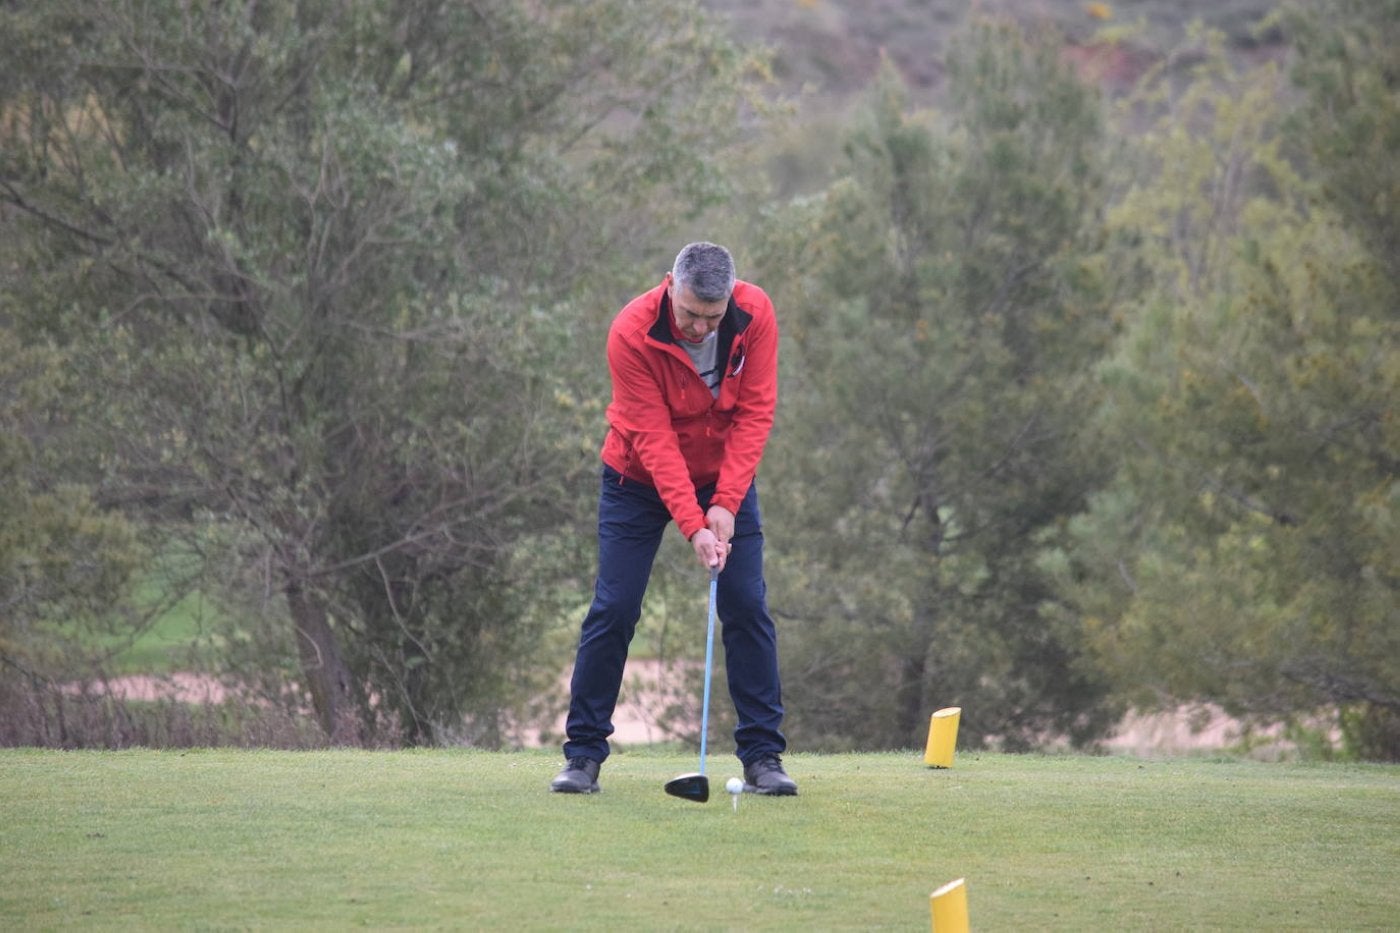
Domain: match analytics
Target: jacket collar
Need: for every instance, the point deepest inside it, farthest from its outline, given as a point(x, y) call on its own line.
point(735, 321)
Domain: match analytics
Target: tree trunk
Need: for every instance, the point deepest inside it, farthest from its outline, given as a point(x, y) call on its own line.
point(910, 692)
point(324, 669)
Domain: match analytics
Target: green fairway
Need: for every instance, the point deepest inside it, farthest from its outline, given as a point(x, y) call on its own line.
point(473, 839)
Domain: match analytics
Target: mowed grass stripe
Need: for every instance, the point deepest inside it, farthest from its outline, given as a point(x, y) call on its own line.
point(473, 839)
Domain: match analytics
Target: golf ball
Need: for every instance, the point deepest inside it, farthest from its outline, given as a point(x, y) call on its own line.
point(734, 786)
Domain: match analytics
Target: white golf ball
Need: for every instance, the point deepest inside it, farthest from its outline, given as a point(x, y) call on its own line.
point(734, 786)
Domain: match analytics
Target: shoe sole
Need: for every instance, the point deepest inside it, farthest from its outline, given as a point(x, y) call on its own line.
point(779, 792)
point(575, 790)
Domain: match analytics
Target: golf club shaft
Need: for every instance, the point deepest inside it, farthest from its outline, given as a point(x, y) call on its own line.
point(709, 657)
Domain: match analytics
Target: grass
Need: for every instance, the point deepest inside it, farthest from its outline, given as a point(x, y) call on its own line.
point(472, 839)
point(170, 642)
point(179, 638)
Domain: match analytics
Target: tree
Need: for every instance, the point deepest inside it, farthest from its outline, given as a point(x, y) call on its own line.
point(1349, 67)
point(320, 267)
point(66, 566)
point(1245, 555)
point(943, 316)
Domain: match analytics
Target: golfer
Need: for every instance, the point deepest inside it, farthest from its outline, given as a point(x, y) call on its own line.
point(694, 365)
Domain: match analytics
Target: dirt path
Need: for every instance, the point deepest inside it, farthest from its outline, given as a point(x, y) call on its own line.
point(179, 687)
point(1196, 729)
point(651, 688)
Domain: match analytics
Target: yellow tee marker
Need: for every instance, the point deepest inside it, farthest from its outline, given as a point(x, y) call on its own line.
point(942, 737)
point(948, 906)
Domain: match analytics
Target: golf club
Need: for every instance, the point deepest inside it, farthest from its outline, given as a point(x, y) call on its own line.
point(696, 786)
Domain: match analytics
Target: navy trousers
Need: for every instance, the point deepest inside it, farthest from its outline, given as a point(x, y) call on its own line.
point(631, 521)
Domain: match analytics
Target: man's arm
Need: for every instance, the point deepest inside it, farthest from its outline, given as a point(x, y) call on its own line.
point(640, 412)
point(753, 415)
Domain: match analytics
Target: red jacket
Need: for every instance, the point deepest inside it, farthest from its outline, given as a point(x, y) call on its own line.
point(665, 429)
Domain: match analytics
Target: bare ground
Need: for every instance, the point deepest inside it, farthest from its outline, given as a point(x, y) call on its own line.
point(653, 691)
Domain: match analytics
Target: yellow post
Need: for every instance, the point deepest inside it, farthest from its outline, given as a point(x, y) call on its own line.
point(949, 908)
point(942, 737)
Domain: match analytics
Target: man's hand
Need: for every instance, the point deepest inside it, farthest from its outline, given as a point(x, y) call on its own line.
point(711, 543)
point(721, 521)
point(709, 550)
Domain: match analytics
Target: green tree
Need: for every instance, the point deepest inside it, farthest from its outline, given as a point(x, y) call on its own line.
point(1247, 553)
point(1349, 68)
point(66, 565)
point(322, 269)
point(942, 314)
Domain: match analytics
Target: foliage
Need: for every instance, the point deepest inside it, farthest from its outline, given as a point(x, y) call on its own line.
point(301, 309)
point(320, 269)
point(62, 557)
point(1246, 553)
point(1348, 66)
point(943, 315)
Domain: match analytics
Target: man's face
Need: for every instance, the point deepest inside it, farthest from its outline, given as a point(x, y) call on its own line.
point(695, 319)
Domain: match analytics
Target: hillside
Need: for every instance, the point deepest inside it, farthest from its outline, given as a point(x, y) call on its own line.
point(830, 48)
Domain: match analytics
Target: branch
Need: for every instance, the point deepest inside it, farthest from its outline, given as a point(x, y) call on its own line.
point(1284, 518)
point(1338, 687)
point(17, 199)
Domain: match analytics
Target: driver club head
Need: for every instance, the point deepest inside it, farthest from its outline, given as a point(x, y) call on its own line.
point(694, 786)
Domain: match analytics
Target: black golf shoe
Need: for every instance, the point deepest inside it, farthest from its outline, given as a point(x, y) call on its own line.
point(580, 776)
point(766, 776)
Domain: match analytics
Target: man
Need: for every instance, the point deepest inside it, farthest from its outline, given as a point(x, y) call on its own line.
point(694, 366)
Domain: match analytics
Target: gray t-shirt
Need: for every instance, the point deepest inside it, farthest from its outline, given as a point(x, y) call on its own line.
point(702, 354)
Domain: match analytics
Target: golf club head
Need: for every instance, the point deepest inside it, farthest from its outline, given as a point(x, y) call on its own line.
point(693, 786)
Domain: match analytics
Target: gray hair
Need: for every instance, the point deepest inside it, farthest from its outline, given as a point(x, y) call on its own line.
point(706, 269)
